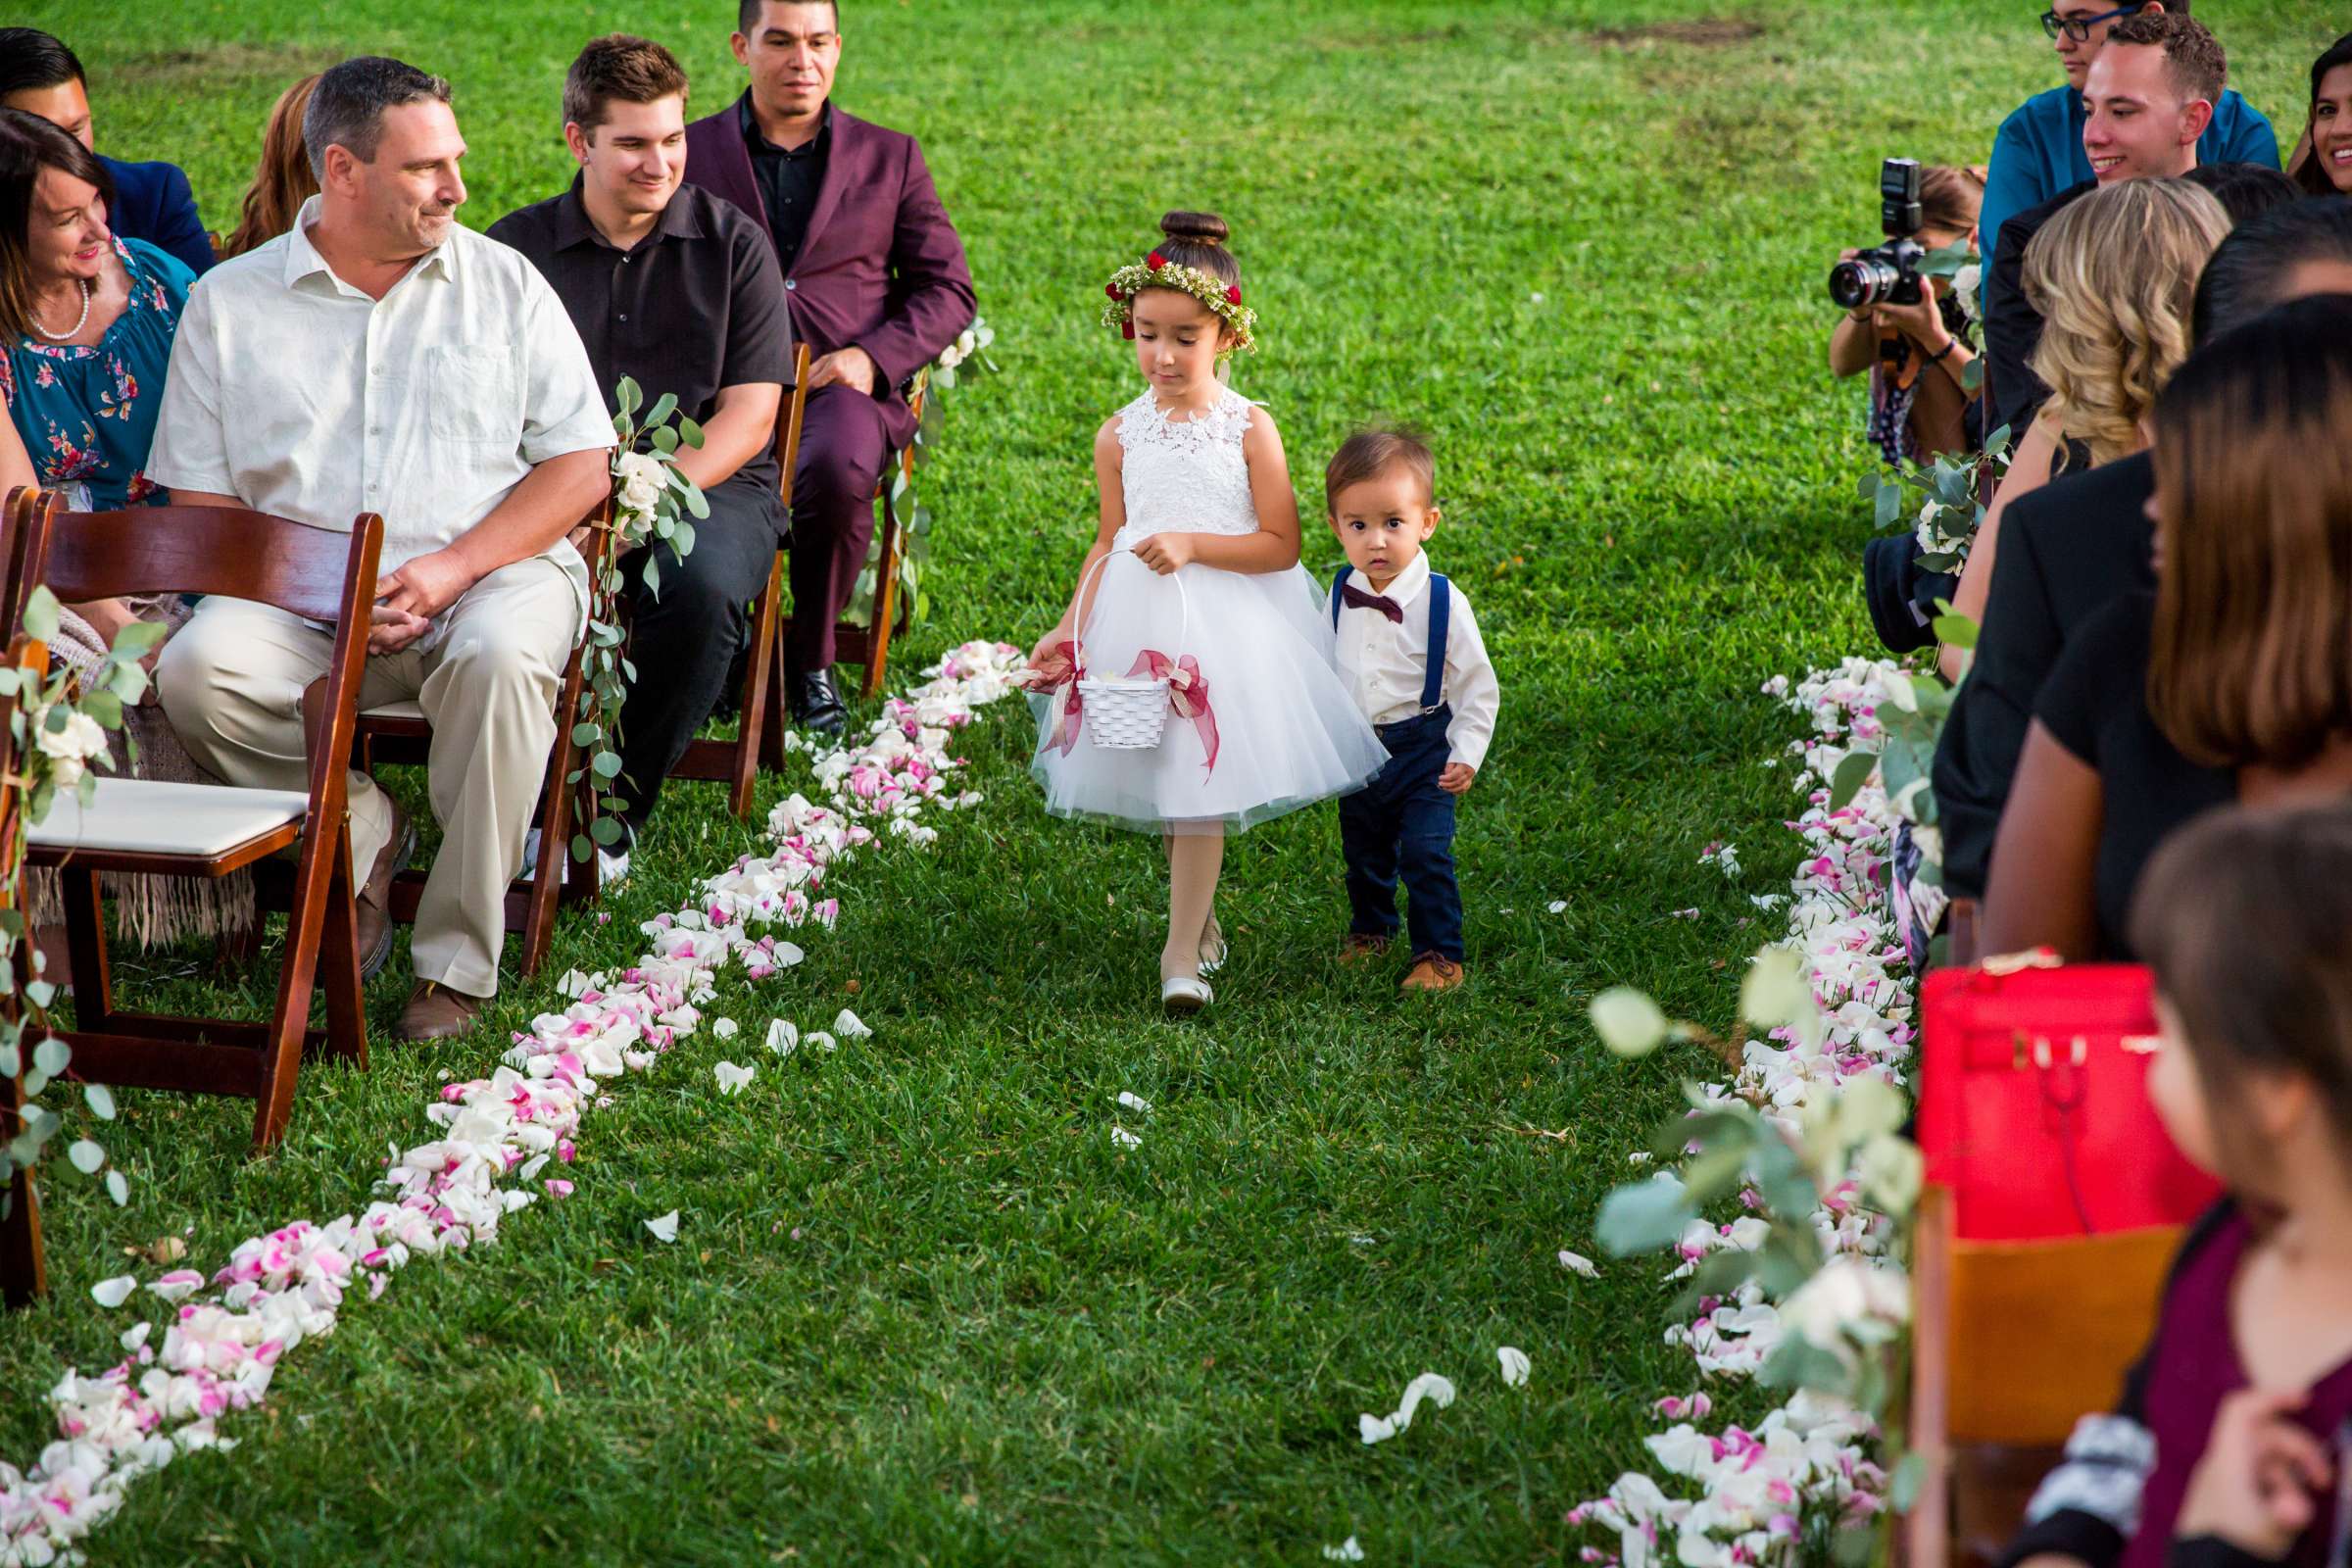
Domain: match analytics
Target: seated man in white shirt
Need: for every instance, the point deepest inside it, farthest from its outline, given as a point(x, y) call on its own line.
point(380, 358)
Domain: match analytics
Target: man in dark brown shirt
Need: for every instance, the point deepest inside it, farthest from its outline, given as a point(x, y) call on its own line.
point(678, 290)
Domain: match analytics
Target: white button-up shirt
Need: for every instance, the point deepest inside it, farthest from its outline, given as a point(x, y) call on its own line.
point(1385, 662)
point(302, 397)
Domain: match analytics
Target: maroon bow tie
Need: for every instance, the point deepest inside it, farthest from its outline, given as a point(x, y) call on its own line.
point(1356, 599)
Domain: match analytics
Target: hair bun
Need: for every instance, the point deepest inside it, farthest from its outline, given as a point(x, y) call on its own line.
point(1201, 228)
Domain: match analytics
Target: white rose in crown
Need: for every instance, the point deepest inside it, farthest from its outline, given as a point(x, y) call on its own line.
point(70, 748)
point(642, 478)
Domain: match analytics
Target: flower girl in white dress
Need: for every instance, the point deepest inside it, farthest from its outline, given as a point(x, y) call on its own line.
point(1193, 578)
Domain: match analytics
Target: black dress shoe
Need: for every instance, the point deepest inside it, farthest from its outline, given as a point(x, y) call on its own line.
point(815, 704)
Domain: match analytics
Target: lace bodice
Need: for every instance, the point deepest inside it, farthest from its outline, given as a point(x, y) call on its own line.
point(1184, 476)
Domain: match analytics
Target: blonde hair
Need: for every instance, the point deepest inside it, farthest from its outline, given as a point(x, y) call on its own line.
point(2115, 276)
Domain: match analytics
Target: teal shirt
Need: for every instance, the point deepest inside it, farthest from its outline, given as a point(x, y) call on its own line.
point(2038, 153)
point(87, 413)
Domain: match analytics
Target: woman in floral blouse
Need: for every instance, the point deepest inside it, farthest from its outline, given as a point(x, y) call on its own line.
point(86, 320)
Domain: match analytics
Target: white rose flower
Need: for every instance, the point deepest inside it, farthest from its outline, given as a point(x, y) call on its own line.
point(642, 481)
point(966, 343)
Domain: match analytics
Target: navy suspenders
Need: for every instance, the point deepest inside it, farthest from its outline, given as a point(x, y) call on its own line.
point(1440, 612)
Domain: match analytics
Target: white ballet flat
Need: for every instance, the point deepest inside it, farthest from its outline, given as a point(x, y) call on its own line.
point(1213, 951)
point(1184, 996)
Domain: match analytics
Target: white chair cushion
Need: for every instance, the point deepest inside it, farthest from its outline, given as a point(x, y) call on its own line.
point(400, 710)
point(141, 816)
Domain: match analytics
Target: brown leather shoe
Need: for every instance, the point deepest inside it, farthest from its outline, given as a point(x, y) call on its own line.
point(374, 905)
point(1433, 971)
point(436, 1012)
point(1358, 948)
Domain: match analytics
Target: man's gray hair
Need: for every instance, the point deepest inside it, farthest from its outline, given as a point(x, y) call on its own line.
point(347, 107)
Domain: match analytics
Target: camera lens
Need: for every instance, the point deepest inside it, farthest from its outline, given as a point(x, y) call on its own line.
point(1865, 280)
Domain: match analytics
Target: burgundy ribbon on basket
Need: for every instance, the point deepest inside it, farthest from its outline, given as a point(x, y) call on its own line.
point(1188, 694)
point(1064, 734)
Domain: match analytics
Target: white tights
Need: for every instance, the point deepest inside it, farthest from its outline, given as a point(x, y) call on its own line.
point(1194, 860)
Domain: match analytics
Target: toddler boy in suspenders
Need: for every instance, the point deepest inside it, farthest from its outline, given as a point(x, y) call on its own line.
point(1409, 650)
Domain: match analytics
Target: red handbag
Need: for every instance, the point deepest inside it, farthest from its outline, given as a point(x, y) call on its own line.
point(2033, 1103)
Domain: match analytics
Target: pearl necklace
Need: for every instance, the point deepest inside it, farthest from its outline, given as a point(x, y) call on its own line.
point(78, 324)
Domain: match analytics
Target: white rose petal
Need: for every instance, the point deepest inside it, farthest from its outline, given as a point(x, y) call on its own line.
point(572, 984)
point(732, 1077)
point(723, 1028)
point(1348, 1551)
point(111, 1293)
point(1427, 1386)
point(665, 1229)
point(1514, 1365)
point(820, 1041)
point(850, 1027)
point(1125, 1139)
point(1556, 906)
point(1576, 1263)
point(1135, 1102)
point(783, 1036)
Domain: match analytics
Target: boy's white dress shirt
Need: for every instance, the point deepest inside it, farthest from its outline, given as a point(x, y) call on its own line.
point(1385, 662)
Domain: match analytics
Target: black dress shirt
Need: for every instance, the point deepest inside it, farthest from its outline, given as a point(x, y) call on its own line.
point(789, 180)
point(695, 305)
point(2067, 551)
point(2012, 325)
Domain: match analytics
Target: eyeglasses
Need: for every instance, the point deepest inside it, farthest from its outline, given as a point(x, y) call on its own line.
point(2079, 27)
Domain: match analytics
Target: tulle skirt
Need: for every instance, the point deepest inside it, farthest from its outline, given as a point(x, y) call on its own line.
point(1289, 732)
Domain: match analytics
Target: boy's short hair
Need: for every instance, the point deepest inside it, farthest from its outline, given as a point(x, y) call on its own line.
point(2193, 57)
point(619, 67)
point(1372, 452)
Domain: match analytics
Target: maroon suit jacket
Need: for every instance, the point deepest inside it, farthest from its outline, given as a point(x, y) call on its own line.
point(881, 269)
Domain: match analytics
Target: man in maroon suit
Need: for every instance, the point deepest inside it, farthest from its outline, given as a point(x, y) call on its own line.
point(877, 285)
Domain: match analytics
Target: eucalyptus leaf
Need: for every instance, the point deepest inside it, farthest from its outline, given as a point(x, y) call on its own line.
point(100, 1100)
point(1642, 1217)
point(605, 764)
point(606, 831)
point(51, 1056)
point(689, 432)
point(40, 614)
point(1853, 771)
point(664, 438)
point(85, 1156)
point(35, 1082)
point(663, 407)
point(631, 396)
point(118, 1188)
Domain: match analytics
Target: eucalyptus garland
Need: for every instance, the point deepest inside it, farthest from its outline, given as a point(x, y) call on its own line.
point(652, 502)
point(59, 729)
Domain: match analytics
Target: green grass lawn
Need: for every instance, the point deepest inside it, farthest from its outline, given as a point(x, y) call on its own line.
point(921, 1309)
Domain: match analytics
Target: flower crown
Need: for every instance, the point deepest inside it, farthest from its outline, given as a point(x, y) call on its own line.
point(1158, 271)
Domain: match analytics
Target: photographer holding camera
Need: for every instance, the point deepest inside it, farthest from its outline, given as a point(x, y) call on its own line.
point(1911, 333)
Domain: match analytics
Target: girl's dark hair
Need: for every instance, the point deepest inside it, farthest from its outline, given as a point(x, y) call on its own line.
point(2250, 659)
point(30, 144)
point(2245, 918)
point(2308, 173)
point(2247, 272)
point(1198, 241)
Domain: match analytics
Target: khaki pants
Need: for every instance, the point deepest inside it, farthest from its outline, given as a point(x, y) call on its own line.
point(231, 684)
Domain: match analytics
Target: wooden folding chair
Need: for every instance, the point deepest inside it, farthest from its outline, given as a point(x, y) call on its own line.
point(2012, 1342)
point(869, 645)
point(159, 829)
point(397, 734)
point(23, 518)
point(22, 1275)
point(760, 738)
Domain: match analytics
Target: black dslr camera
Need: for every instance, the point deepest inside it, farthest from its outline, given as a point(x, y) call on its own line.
point(1889, 273)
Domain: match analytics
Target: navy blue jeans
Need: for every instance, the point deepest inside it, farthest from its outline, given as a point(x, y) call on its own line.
point(1401, 824)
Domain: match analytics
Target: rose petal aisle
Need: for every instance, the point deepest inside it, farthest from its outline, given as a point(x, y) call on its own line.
point(499, 1143)
point(1768, 1495)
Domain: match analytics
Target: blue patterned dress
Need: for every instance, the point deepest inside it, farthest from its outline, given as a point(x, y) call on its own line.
point(87, 412)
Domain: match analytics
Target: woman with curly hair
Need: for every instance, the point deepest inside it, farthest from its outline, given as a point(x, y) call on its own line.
point(2114, 276)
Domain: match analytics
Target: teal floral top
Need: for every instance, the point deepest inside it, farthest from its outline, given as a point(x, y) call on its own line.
point(87, 412)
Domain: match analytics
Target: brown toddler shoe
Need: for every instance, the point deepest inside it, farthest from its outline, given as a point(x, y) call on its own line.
point(1433, 971)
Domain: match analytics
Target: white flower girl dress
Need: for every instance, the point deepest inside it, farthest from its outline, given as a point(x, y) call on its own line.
point(1287, 731)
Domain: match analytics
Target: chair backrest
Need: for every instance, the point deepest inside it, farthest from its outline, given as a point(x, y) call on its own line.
point(17, 531)
point(788, 424)
point(2012, 1343)
point(225, 551)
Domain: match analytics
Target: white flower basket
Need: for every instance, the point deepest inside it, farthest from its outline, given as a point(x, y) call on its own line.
point(1124, 715)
